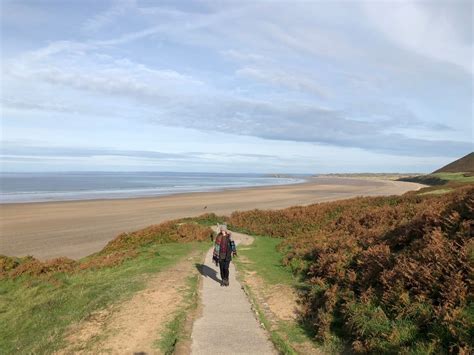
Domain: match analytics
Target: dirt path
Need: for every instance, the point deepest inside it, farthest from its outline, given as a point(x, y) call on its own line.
point(279, 304)
point(136, 324)
point(227, 324)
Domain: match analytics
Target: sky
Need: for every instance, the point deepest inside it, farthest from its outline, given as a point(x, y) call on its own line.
point(245, 86)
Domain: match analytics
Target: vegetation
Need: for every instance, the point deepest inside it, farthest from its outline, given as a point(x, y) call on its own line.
point(282, 346)
point(207, 219)
point(264, 257)
point(436, 192)
point(175, 330)
point(171, 231)
point(39, 300)
point(455, 174)
point(392, 274)
point(458, 177)
point(464, 164)
point(385, 274)
point(436, 179)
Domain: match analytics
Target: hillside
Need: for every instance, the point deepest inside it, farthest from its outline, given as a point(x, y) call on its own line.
point(455, 174)
point(40, 300)
point(382, 275)
point(462, 165)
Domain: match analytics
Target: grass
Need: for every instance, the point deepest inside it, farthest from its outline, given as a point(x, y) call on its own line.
point(458, 177)
point(175, 329)
point(438, 179)
point(281, 345)
point(207, 219)
point(35, 312)
point(436, 192)
point(264, 258)
point(440, 183)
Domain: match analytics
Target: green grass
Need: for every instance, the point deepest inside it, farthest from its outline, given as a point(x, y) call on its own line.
point(294, 332)
point(266, 260)
point(438, 179)
point(458, 177)
point(436, 192)
point(35, 312)
point(281, 345)
point(175, 331)
point(207, 219)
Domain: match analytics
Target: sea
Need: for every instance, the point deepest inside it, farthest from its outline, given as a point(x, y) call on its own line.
point(69, 186)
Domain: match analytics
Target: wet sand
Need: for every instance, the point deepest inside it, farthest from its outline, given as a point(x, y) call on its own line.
point(78, 228)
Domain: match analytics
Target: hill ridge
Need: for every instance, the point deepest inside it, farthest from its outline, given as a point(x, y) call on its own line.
point(461, 165)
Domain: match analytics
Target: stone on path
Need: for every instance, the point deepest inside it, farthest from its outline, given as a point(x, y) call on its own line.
point(227, 324)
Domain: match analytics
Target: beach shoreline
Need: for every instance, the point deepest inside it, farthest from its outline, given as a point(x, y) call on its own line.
point(79, 228)
point(171, 194)
point(88, 186)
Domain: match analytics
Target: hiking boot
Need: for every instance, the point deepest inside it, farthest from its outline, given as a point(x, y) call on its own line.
point(226, 282)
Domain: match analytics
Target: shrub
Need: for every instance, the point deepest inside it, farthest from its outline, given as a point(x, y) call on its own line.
point(123, 247)
point(394, 273)
point(15, 267)
point(166, 232)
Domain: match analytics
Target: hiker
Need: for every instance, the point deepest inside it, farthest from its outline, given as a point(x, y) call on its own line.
point(224, 249)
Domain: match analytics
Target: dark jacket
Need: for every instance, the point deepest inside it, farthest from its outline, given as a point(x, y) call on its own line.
point(224, 247)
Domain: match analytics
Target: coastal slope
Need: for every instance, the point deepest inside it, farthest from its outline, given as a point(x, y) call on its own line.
point(462, 165)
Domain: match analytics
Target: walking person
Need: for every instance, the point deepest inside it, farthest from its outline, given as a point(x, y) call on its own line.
point(224, 249)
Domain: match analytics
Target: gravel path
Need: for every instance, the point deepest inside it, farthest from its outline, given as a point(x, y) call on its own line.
point(227, 324)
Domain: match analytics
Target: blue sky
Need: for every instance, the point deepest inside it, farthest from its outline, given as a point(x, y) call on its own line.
point(303, 87)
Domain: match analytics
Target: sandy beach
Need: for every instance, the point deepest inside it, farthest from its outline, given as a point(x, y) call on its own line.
point(78, 228)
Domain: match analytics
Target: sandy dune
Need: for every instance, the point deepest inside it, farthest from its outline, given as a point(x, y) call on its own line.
point(79, 228)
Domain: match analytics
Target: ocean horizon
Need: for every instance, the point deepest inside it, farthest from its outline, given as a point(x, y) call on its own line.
point(26, 187)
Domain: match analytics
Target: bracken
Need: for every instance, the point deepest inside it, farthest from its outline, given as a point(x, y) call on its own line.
point(393, 274)
point(123, 247)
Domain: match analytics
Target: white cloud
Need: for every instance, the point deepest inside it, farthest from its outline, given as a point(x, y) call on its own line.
point(302, 72)
point(282, 78)
point(414, 26)
point(103, 19)
point(240, 56)
point(102, 74)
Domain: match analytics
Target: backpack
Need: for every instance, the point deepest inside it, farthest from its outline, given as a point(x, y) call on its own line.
point(224, 246)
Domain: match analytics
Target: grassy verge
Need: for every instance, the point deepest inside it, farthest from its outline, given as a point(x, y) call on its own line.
point(436, 192)
point(207, 219)
point(264, 258)
point(440, 179)
point(35, 311)
point(175, 330)
point(458, 177)
point(281, 345)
